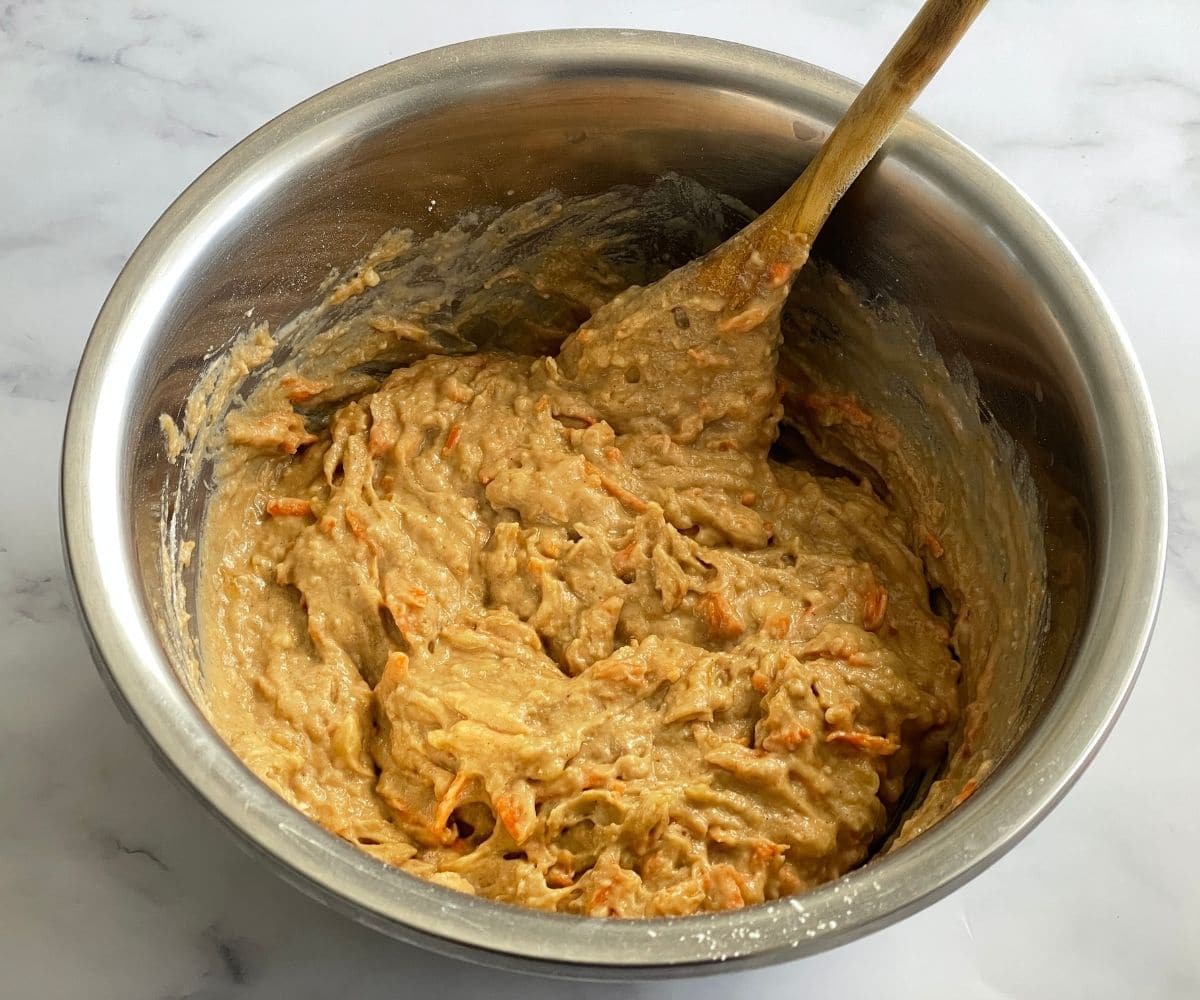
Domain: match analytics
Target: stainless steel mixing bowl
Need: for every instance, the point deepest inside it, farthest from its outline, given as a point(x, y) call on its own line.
point(497, 121)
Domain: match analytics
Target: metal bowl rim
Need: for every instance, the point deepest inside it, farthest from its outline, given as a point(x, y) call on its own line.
point(1006, 808)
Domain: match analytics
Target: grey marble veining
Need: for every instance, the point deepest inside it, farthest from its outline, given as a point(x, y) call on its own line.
point(116, 884)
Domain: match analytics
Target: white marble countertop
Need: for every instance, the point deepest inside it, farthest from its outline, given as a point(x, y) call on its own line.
point(115, 883)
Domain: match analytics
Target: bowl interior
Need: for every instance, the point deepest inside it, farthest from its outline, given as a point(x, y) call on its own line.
point(498, 122)
point(911, 235)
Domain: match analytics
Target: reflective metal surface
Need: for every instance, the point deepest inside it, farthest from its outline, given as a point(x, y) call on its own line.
point(497, 121)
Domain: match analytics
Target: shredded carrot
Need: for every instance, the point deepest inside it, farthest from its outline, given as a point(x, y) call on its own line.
point(760, 681)
point(875, 608)
point(381, 438)
point(726, 887)
point(623, 558)
point(777, 626)
point(403, 607)
point(719, 617)
point(930, 541)
point(450, 801)
point(288, 507)
point(599, 899)
point(868, 742)
point(510, 815)
point(967, 791)
point(778, 273)
point(620, 669)
point(616, 490)
point(358, 527)
point(765, 850)
point(786, 739)
point(452, 437)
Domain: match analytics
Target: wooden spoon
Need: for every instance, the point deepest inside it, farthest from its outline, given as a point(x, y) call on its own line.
point(785, 232)
point(693, 355)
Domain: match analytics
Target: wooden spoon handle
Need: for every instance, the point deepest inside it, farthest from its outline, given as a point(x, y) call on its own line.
point(914, 59)
point(784, 233)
